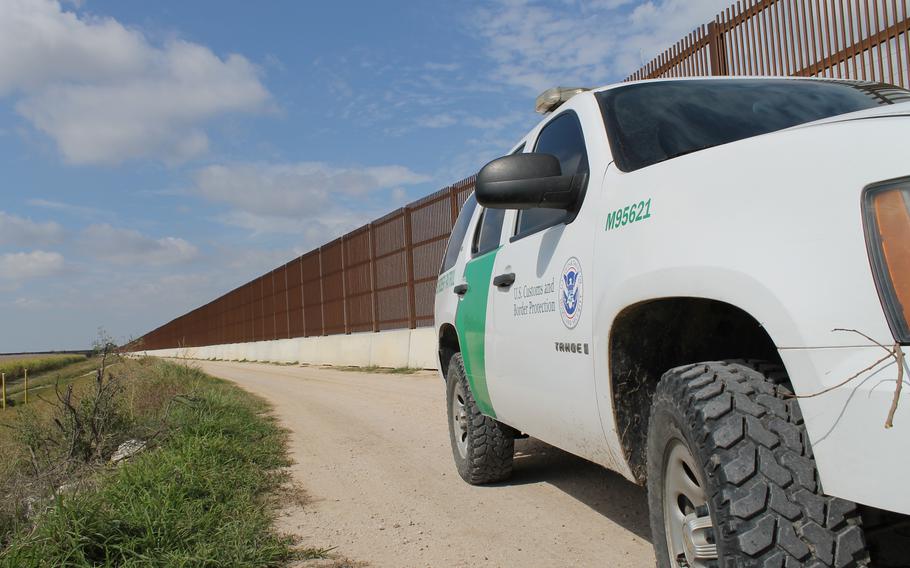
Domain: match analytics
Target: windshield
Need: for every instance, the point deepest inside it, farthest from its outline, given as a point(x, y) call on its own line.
point(648, 123)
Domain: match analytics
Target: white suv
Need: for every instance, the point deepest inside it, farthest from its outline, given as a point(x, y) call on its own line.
point(702, 284)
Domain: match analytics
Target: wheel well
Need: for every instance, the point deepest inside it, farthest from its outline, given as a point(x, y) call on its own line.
point(650, 338)
point(448, 346)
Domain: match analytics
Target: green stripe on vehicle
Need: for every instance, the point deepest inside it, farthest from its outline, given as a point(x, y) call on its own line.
point(471, 322)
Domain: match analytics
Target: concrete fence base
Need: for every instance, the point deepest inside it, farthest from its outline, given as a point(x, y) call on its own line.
point(414, 348)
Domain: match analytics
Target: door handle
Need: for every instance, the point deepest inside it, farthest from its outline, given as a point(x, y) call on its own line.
point(461, 289)
point(504, 280)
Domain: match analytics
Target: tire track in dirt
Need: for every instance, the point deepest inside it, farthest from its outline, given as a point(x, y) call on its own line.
point(372, 452)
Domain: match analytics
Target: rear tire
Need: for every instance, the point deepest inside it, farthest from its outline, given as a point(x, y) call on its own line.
point(483, 448)
point(748, 450)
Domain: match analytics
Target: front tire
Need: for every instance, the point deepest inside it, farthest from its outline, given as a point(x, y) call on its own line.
point(731, 477)
point(483, 448)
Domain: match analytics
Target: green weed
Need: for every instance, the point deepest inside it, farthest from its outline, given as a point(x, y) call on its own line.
point(198, 499)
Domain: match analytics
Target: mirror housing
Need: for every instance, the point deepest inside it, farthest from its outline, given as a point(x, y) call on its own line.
point(527, 181)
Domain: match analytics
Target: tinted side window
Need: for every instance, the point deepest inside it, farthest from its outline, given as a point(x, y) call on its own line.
point(458, 233)
point(563, 138)
point(489, 231)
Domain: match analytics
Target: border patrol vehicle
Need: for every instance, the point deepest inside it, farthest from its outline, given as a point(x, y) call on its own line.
point(704, 285)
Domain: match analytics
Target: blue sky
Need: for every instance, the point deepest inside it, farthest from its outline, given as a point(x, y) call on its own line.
point(158, 154)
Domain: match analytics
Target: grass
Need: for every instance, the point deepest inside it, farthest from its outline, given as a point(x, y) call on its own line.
point(201, 498)
point(15, 368)
point(39, 381)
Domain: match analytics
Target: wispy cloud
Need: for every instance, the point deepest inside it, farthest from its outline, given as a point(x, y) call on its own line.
point(20, 267)
point(435, 66)
point(130, 247)
point(442, 120)
point(536, 45)
point(25, 303)
point(68, 208)
point(309, 198)
point(20, 231)
point(104, 93)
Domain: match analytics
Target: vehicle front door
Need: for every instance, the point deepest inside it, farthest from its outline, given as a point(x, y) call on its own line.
point(539, 351)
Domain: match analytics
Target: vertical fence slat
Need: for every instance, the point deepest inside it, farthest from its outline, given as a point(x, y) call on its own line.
point(863, 34)
point(303, 299)
point(888, 49)
point(794, 52)
point(761, 46)
point(771, 61)
point(906, 78)
point(740, 40)
point(345, 293)
point(409, 256)
point(843, 37)
point(755, 21)
point(851, 25)
point(906, 35)
point(733, 33)
point(373, 283)
point(817, 32)
point(800, 22)
point(878, 29)
point(829, 33)
point(783, 63)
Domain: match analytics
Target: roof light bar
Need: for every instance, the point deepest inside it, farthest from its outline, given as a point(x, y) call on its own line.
point(549, 100)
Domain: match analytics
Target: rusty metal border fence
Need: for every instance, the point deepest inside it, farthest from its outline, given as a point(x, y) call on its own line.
point(379, 276)
point(867, 40)
point(382, 275)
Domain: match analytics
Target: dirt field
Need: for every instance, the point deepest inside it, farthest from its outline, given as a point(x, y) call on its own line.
point(373, 453)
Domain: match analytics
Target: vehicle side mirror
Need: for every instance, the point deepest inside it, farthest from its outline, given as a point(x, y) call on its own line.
point(526, 181)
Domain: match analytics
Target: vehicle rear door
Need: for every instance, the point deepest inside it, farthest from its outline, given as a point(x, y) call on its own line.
point(473, 317)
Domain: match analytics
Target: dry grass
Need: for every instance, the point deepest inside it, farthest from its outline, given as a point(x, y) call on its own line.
point(15, 368)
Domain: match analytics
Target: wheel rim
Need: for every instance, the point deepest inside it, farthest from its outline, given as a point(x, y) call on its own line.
point(687, 521)
point(460, 420)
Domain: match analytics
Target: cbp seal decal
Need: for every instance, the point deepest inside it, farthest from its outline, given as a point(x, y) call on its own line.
point(571, 291)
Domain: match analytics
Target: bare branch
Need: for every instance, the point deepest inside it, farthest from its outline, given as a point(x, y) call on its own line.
point(899, 356)
point(895, 353)
point(856, 331)
point(842, 383)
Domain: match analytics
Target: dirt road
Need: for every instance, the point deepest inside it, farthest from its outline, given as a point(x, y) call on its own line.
point(373, 453)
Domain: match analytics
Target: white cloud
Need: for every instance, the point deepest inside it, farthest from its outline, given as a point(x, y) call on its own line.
point(313, 199)
point(441, 120)
point(313, 229)
point(293, 189)
point(25, 232)
point(106, 94)
point(26, 303)
point(536, 45)
point(69, 208)
point(127, 246)
point(434, 66)
point(19, 267)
